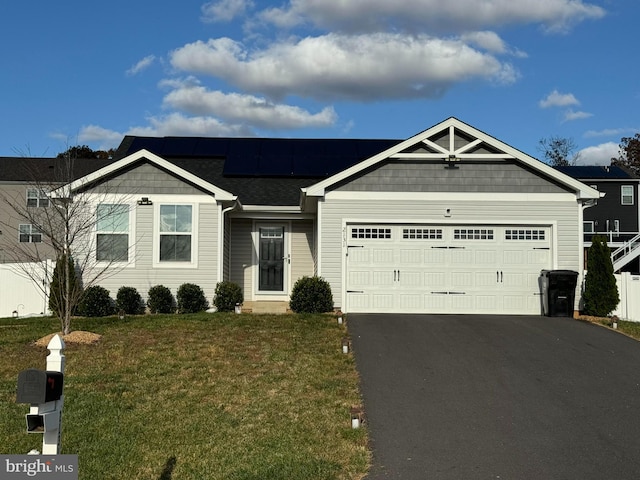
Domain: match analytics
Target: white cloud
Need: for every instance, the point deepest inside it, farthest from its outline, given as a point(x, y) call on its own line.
point(95, 134)
point(598, 154)
point(224, 10)
point(432, 15)
point(557, 99)
point(610, 132)
point(571, 115)
point(336, 66)
point(247, 109)
point(143, 64)
point(180, 125)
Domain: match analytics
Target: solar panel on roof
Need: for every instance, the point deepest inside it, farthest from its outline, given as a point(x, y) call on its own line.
point(242, 157)
point(174, 146)
point(154, 145)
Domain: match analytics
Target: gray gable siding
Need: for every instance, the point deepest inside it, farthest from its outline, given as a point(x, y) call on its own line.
point(424, 176)
point(147, 179)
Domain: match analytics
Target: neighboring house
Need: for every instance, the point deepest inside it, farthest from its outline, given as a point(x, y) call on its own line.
point(450, 220)
point(25, 183)
point(616, 215)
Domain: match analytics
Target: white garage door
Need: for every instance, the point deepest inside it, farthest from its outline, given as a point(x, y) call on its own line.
point(446, 268)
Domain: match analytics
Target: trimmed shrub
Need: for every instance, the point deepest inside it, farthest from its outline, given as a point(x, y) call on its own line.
point(191, 299)
point(227, 295)
point(129, 300)
point(57, 291)
point(600, 289)
point(96, 302)
point(311, 295)
point(161, 300)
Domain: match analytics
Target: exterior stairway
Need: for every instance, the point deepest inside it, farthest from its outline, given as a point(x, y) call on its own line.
point(623, 255)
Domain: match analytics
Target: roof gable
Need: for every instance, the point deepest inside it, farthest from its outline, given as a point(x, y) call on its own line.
point(124, 163)
point(453, 141)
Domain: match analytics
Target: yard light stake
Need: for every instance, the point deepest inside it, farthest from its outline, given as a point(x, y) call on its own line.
point(356, 417)
point(345, 345)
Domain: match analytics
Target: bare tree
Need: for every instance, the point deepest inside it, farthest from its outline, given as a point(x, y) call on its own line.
point(558, 151)
point(62, 225)
point(629, 154)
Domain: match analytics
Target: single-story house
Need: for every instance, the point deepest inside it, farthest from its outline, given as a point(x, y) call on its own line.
point(450, 220)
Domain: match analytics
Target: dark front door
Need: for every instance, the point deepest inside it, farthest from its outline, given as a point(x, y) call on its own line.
point(271, 262)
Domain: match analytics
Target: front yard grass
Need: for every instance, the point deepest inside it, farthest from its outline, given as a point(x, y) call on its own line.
point(203, 396)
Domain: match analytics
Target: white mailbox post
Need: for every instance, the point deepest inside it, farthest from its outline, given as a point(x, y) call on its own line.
point(44, 392)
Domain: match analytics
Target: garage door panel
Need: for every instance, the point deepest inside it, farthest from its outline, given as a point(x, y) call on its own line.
point(386, 255)
point(383, 278)
point(448, 269)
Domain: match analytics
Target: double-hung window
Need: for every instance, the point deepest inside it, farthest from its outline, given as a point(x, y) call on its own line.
point(37, 198)
point(176, 233)
point(29, 233)
point(112, 233)
point(627, 195)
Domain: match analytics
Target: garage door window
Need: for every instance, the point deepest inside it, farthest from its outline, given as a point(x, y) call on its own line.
point(373, 233)
point(528, 234)
point(473, 234)
point(422, 233)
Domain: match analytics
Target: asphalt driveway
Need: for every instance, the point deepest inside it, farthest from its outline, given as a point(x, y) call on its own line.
point(498, 397)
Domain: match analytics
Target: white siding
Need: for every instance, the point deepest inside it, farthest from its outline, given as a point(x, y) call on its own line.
point(241, 254)
point(561, 212)
point(143, 275)
point(302, 248)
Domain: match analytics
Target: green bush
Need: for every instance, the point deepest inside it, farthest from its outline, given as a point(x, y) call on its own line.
point(191, 299)
point(311, 295)
point(160, 300)
point(57, 291)
point(600, 289)
point(227, 296)
point(96, 302)
point(129, 300)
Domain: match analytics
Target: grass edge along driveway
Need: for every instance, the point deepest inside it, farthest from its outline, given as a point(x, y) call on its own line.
point(216, 396)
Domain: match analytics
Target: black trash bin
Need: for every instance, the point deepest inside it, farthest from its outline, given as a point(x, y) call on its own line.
point(558, 292)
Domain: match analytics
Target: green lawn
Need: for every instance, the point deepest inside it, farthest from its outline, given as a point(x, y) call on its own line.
point(206, 396)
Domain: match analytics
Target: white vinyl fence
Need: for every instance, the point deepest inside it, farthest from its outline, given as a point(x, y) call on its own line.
point(19, 294)
point(629, 290)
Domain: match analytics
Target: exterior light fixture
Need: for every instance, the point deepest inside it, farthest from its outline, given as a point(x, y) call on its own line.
point(345, 344)
point(357, 417)
point(145, 201)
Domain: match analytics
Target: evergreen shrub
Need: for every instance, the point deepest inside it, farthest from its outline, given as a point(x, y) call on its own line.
point(57, 290)
point(96, 302)
point(311, 295)
point(160, 300)
point(227, 296)
point(129, 300)
point(191, 299)
point(600, 294)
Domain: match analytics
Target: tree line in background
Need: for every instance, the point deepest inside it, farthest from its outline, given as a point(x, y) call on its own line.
point(561, 151)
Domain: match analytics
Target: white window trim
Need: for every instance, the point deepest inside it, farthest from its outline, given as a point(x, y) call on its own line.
point(31, 232)
point(156, 235)
point(623, 195)
point(591, 223)
point(131, 253)
point(42, 195)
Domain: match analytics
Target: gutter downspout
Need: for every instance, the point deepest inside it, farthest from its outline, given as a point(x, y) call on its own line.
point(221, 232)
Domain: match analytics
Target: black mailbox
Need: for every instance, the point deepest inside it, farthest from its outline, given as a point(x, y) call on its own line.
point(37, 386)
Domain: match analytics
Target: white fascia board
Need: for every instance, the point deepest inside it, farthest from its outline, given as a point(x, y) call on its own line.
point(583, 191)
point(272, 208)
point(453, 196)
point(219, 193)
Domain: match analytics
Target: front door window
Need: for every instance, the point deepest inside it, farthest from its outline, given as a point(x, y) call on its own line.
point(271, 263)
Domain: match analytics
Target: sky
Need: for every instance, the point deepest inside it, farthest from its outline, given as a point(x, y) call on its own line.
point(88, 73)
